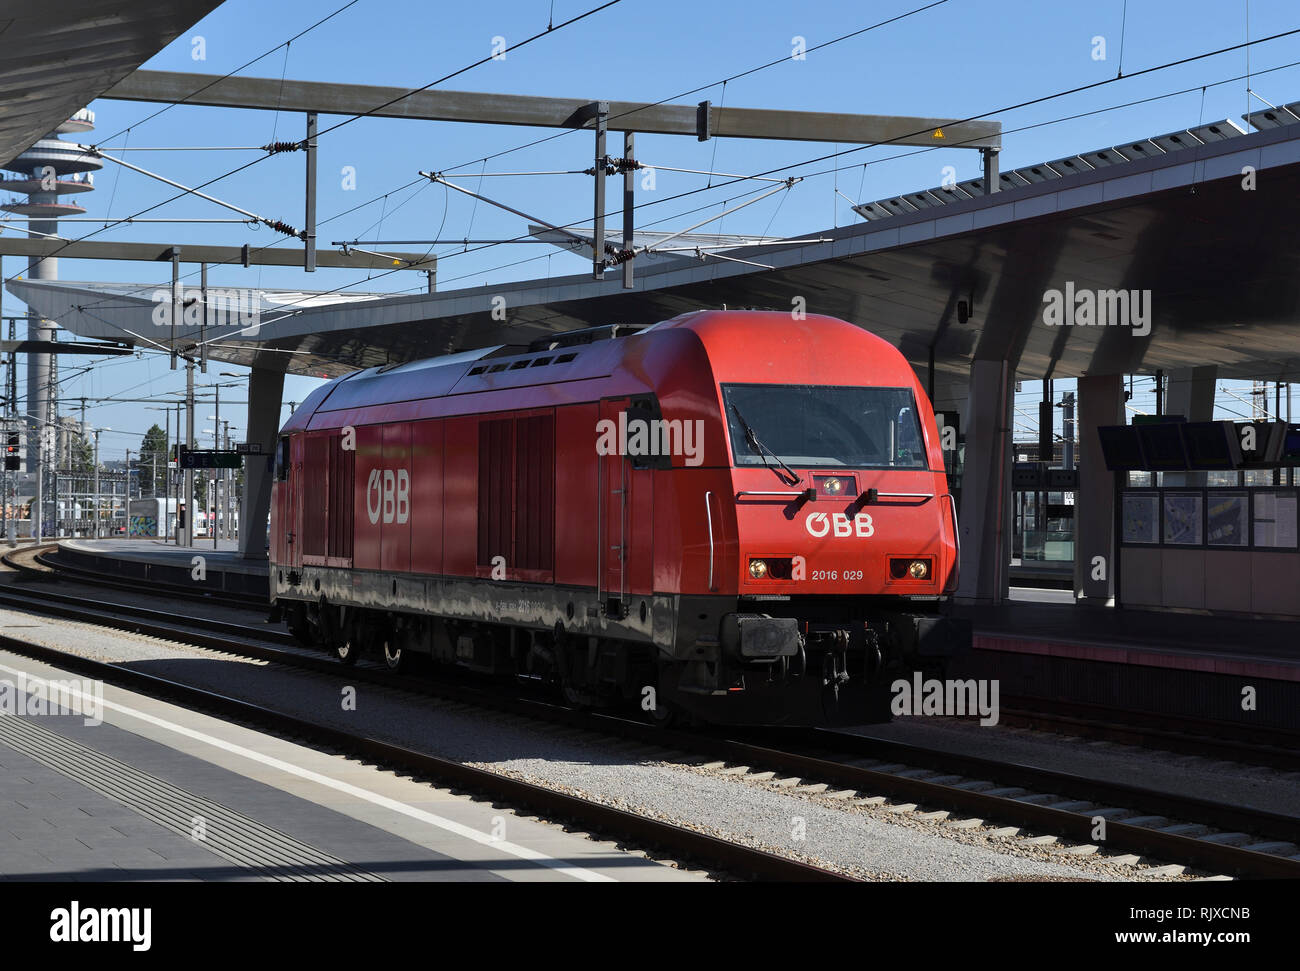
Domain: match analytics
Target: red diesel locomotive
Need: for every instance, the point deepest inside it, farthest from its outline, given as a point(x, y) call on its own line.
point(738, 516)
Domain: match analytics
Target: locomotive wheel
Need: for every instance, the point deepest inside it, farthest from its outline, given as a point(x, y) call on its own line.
point(301, 627)
point(666, 715)
point(347, 650)
point(394, 657)
point(575, 694)
point(579, 699)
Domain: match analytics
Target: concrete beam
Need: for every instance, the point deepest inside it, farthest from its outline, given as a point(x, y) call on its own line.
point(63, 347)
point(152, 252)
point(537, 112)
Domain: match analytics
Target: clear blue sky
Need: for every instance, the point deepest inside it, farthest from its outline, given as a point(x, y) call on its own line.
point(962, 58)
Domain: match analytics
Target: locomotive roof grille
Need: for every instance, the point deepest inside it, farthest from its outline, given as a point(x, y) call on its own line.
point(585, 336)
point(448, 360)
point(519, 365)
point(567, 339)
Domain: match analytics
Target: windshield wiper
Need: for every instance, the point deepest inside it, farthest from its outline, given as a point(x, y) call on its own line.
point(763, 451)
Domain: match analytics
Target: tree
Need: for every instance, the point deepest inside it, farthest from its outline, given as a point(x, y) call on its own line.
point(82, 457)
point(153, 447)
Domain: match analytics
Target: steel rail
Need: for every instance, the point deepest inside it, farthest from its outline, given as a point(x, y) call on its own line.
point(1276, 747)
point(1076, 825)
point(52, 570)
point(157, 623)
point(719, 853)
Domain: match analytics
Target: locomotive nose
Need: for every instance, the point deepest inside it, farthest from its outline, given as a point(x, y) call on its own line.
point(857, 532)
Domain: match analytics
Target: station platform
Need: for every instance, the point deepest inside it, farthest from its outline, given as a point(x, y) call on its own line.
point(1051, 622)
point(223, 568)
point(131, 788)
point(1042, 644)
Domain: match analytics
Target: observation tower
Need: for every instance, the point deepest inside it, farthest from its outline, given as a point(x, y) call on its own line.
point(47, 171)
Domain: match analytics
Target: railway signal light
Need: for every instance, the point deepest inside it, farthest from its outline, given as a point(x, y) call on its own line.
point(13, 452)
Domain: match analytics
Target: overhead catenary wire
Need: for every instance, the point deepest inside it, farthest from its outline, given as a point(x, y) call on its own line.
point(357, 116)
point(196, 148)
point(573, 20)
point(232, 73)
point(835, 40)
point(254, 217)
point(436, 177)
point(658, 202)
point(1019, 105)
point(1034, 101)
point(704, 87)
point(1004, 110)
point(504, 175)
point(106, 219)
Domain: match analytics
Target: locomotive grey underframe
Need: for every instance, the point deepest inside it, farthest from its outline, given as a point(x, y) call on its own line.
point(537, 606)
point(682, 627)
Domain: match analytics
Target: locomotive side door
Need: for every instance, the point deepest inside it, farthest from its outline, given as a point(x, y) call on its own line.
point(291, 525)
point(611, 513)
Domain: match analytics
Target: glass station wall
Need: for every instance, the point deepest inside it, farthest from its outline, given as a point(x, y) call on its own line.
point(1231, 549)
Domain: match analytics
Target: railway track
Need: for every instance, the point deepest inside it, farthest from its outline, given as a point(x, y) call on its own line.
point(1213, 836)
point(1224, 740)
point(700, 849)
point(39, 563)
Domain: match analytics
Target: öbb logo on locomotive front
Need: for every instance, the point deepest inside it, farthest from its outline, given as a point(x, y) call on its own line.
point(819, 524)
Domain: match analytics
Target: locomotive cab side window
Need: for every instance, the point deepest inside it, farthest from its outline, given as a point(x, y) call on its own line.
point(824, 426)
point(282, 460)
point(645, 409)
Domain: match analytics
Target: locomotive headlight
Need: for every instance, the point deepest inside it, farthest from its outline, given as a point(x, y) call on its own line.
point(757, 569)
point(833, 486)
point(918, 569)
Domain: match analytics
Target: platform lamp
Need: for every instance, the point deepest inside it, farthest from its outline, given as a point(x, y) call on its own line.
point(170, 511)
point(217, 482)
point(242, 378)
point(222, 475)
point(210, 499)
point(231, 507)
point(97, 432)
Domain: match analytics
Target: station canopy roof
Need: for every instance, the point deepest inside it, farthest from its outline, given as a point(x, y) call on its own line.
point(57, 58)
point(1198, 226)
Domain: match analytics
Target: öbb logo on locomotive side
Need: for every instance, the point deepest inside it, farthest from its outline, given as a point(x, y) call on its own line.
point(388, 492)
point(647, 437)
point(819, 524)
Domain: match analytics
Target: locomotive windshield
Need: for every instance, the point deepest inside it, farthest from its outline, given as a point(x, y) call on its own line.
point(823, 426)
